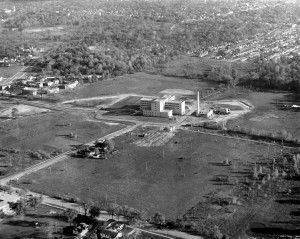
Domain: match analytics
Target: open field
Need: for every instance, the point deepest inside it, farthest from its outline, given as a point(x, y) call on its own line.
point(129, 102)
point(22, 110)
point(50, 132)
point(269, 112)
point(138, 83)
point(8, 72)
point(199, 67)
point(23, 226)
point(99, 103)
point(170, 178)
point(4, 105)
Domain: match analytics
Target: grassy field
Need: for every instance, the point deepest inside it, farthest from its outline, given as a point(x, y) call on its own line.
point(50, 131)
point(170, 178)
point(269, 112)
point(23, 226)
point(138, 83)
point(8, 72)
point(199, 67)
point(128, 102)
point(92, 103)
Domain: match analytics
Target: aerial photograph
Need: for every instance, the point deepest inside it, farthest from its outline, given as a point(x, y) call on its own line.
point(159, 119)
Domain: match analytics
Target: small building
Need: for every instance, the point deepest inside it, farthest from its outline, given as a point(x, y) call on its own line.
point(29, 91)
point(206, 113)
point(48, 83)
point(4, 199)
point(81, 230)
point(55, 81)
point(112, 230)
point(31, 78)
point(51, 90)
point(39, 84)
point(3, 87)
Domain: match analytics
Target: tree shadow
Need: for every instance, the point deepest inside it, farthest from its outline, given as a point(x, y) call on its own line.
point(20, 223)
point(288, 201)
point(54, 216)
point(273, 231)
point(218, 164)
point(295, 213)
point(241, 172)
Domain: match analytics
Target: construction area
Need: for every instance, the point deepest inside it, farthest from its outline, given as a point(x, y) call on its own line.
point(183, 107)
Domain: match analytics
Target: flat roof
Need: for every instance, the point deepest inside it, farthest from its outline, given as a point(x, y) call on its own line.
point(146, 99)
point(175, 101)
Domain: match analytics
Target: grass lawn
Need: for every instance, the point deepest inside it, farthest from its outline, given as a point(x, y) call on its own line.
point(138, 83)
point(269, 113)
point(50, 131)
point(128, 102)
point(91, 103)
point(143, 178)
point(23, 226)
point(7, 72)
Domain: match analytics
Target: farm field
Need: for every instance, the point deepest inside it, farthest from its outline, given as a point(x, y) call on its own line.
point(23, 226)
point(269, 112)
point(171, 177)
point(138, 83)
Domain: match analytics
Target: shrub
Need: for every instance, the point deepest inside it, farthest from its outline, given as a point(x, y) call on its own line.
point(255, 173)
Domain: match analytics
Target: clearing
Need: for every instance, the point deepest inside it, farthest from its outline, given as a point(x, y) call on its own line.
point(22, 110)
point(139, 83)
point(269, 112)
point(198, 67)
point(170, 177)
point(50, 132)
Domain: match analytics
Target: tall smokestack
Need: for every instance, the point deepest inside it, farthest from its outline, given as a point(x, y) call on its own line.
point(198, 104)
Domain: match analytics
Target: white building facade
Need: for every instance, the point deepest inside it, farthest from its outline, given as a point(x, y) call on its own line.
point(164, 107)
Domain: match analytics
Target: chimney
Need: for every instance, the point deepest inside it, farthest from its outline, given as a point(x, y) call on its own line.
point(198, 104)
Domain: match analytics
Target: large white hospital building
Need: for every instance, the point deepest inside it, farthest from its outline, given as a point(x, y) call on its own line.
point(165, 106)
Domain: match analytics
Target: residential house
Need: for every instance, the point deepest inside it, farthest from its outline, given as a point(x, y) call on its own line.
point(207, 113)
point(111, 230)
point(4, 199)
point(55, 81)
point(3, 87)
point(52, 90)
point(48, 83)
point(39, 84)
point(81, 230)
point(29, 91)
